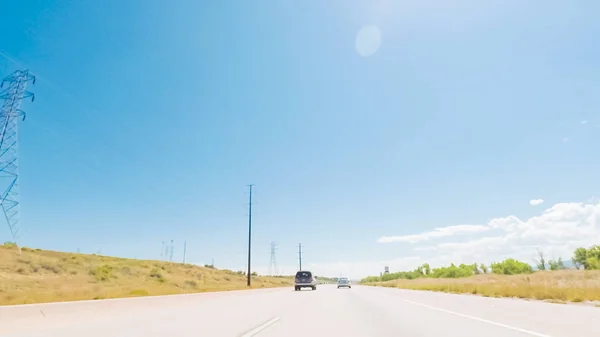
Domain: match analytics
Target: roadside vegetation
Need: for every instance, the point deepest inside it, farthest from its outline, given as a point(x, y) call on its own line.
point(37, 276)
point(549, 280)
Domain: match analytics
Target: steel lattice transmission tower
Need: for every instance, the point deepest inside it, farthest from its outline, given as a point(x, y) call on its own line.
point(13, 91)
point(273, 266)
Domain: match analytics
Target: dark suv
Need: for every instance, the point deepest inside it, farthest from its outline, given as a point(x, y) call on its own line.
point(305, 279)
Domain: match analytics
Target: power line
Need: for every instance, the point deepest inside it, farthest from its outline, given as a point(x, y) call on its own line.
point(9, 144)
point(250, 236)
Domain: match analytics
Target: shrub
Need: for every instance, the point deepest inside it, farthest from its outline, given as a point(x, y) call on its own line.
point(556, 265)
point(139, 292)
point(102, 273)
point(155, 273)
point(10, 245)
point(511, 267)
point(454, 272)
point(593, 262)
point(53, 268)
point(191, 283)
point(587, 258)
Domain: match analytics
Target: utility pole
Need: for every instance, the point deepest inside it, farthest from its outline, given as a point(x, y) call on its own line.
point(250, 236)
point(162, 250)
point(273, 266)
point(171, 252)
point(11, 96)
point(184, 248)
point(300, 255)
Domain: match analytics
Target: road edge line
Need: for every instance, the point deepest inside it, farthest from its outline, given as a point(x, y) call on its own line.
point(533, 333)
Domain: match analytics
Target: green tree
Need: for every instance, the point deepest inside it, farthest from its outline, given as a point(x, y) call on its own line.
point(452, 271)
point(593, 257)
point(580, 258)
point(423, 270)
point(593, 263)
point(587, 258)
point(594, 251)
point(426, 268)
point(540, 263)
point(511, 267)
point(556, 265)
point(484, 269)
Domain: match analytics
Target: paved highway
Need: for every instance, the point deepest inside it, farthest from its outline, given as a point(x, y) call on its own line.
point(356, 312)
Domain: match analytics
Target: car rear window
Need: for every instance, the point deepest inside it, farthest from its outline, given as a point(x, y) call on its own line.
point(303, 274)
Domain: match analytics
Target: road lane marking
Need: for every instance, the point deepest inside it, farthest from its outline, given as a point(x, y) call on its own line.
point(533, 333)
point(261, 327)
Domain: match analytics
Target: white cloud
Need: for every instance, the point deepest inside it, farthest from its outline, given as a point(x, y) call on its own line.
point(536, 202)
point(557, 231)
point(436, 233)
point(583, 122)
point(565, 139)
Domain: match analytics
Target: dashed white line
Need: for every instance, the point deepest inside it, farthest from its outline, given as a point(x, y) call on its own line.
point(533, 333)
point(260, 328)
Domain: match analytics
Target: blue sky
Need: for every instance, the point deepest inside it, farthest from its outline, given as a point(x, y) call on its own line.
point(151, 118)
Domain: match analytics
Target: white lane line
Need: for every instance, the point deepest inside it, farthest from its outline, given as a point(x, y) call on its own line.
point(533, 333)
point(260, 328)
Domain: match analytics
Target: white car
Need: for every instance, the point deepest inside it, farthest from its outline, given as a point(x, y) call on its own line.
point(344, 282)
point(305, 279)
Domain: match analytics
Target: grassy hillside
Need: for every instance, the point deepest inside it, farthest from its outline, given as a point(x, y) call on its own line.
point(559, 286)
point(37, 276)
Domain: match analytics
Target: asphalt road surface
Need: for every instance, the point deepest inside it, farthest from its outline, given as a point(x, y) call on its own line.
point(356, 312)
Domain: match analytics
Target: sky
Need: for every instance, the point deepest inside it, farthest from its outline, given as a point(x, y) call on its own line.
point(376, 132)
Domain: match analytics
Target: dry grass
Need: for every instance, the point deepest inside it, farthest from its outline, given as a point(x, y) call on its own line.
point(38, 276)
point(556, 286)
